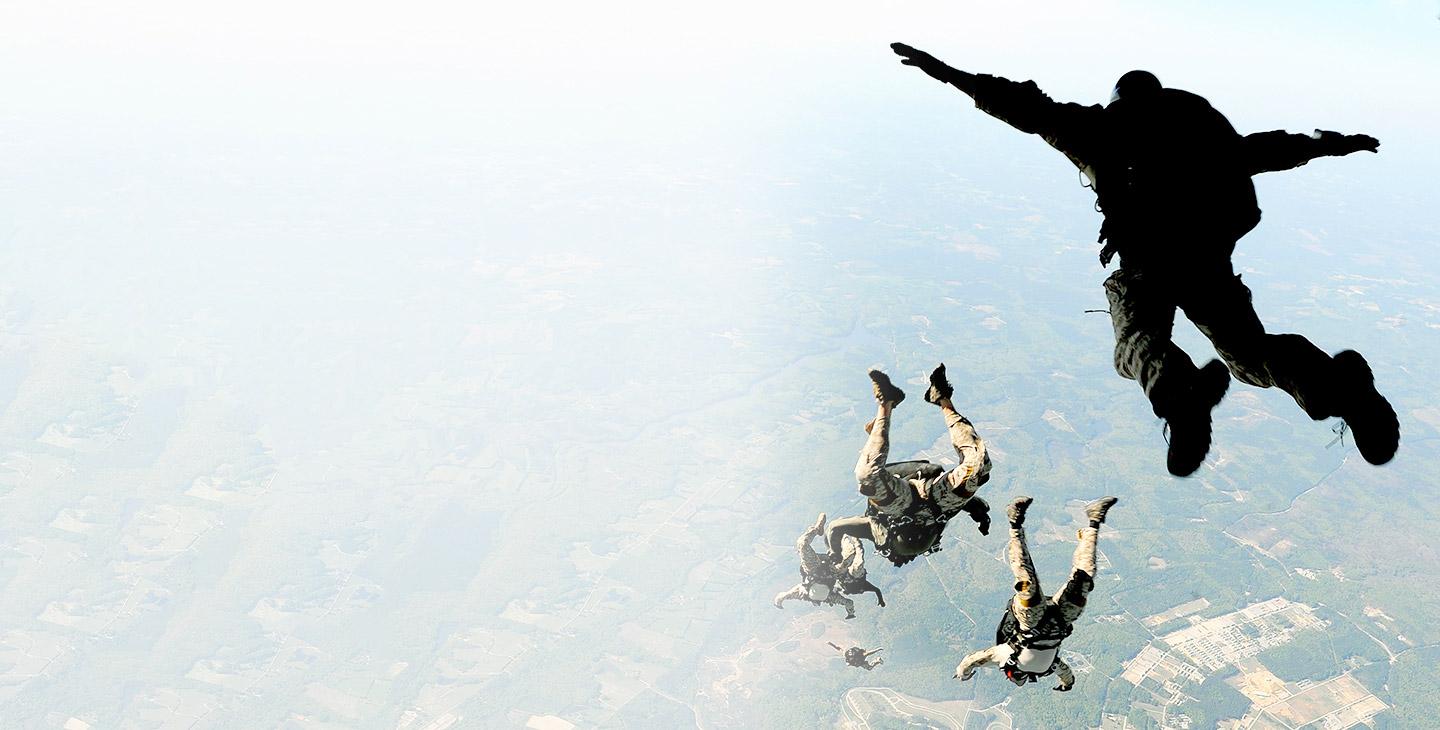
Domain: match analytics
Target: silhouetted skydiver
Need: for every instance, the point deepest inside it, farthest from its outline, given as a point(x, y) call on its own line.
point(1172, 178)
point(1027, 641)
point(857, 657)
point(910, 503)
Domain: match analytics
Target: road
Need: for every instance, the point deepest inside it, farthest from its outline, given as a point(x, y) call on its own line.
point(860, 703)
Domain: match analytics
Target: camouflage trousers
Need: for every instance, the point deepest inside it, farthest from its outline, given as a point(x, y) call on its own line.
point(1142, 309)
point(813, 563)
point(1029, 602)
point(948, 491)
point(852, 558)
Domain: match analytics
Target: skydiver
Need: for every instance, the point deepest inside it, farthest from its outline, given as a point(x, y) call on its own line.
point(852, 577)
point(817, 575)
point(857, 657)
point(909, 505)
point(1027, 642)
point(1172, 178)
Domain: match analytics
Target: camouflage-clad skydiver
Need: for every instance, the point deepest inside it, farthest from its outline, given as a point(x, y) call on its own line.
point(1027, 642)
point(851, 577)
point(1172, 178)
point(817, 575)
point(911, 502)
point(857, 657)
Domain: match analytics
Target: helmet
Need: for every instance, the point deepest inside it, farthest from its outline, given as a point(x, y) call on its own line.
point(818, 591)
point(1135, 84)
point(912, 539)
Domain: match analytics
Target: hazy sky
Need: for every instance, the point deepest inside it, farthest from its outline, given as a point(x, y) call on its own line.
point(438, 99)
point(289, 66)
point(313, 216)
point(254, 143)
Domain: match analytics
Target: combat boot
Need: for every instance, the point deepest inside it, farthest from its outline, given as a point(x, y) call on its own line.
point(1188, 418)
point(1096, 510)
point(1366, 412)
point(940, 388)
point(885, 392)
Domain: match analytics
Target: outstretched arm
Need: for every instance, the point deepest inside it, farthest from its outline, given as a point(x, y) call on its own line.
point(1070, 128)
point(993, 655)
point(1280, 150)
point(1067, 677)
point(793, 594)
point(936, 68)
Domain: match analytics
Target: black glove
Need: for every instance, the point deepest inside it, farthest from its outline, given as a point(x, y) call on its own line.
point(1344, 144)
point(979, 511)
point(921, 60)
point(1363, 142)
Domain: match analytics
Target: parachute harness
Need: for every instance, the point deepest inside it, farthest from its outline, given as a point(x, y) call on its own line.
point(1048, 633)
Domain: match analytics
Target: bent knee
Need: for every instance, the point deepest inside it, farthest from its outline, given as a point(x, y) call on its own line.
point(870, 479)
point(1247, 365)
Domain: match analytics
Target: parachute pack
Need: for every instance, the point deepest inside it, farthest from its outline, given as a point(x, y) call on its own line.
point(922, 525)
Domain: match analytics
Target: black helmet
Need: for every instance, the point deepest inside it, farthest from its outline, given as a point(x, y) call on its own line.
point(1135, 85)
point(912, 539)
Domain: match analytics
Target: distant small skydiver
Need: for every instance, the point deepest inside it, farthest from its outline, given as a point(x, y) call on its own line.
point(910, 503)
point(857, 657)
point(817, 575)
point(1172, 178)
point(1027, 642)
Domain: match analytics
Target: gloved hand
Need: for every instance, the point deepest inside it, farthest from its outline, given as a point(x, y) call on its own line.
point(921, 60)
point(979, 511)
point(1063, 687)
point(1363, 142)
point(964, 671)
point(1344, 144)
